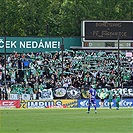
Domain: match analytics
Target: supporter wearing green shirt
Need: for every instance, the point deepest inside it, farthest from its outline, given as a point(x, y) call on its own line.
point(29, 90)
point(110, 94)
point(126, 77)
point(117, 97)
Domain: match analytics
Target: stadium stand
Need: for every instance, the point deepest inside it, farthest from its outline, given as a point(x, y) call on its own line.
point(30, 73)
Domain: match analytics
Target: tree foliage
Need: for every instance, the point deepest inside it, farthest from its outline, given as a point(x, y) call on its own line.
point(61, 17)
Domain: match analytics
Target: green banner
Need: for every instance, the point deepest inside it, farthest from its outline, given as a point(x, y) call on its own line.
point(36, 44)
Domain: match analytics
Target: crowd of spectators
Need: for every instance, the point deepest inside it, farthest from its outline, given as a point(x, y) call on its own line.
point(32, 72)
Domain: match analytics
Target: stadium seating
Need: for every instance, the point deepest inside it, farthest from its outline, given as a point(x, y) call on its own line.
point(38, 71)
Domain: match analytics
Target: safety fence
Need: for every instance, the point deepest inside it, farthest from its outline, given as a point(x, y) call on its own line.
point(68, 93)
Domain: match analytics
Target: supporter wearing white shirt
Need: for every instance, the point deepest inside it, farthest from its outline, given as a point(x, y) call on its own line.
point(94, 73)
point(69, 80)
point(65, 84)
point(131, 63)
point(9, 59)
point(8, 92)
point(0, 66)
point(39, 62)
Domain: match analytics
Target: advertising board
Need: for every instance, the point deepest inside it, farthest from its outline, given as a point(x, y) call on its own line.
point(9, 103)
point(83, 103)
point(49, 103)
point(36, 44)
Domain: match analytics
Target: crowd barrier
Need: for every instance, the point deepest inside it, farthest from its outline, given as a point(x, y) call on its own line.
point(69, 93)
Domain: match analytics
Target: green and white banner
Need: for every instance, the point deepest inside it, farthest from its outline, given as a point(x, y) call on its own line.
point(36, 44)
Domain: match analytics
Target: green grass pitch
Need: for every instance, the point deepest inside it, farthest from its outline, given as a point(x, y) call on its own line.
point(66, 121)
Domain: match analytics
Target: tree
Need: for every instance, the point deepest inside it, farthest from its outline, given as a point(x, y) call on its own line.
point(62, 17)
